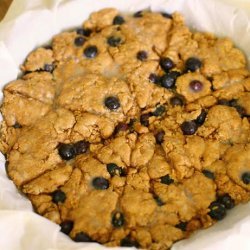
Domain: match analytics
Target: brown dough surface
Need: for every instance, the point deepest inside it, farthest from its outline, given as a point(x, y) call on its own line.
point(163, 182)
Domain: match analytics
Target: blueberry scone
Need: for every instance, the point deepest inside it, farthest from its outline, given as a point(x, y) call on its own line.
point(131, 130)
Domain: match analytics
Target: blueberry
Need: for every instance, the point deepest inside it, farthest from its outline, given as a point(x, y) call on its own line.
point(81, 147)
point(158, 200)
point(189, 127)
point(67, 226)
point(193, 64)
point(142, 55)
point(138, 14)
point(91, 51)
point(100, 183)
point(128, 242)
point(226, 200)
point(114, 41)
point(182, 225)
point(246, 178)
point(66, 151)
point(112, 103)
point(118, 20)
point(82, 237)
point(79, 41)
point(168, 80)
point(196, 86)
point(217, 211)
point(208, 174)
point(166, 64)
point(113, 169)
point(118, 219)
point(167, 15)
point(17, 125)
point(159, 111)
point(176, 101)
point(154, 78)
point(121, 127)
point(167, 179)
point(201, 118)
point(58, 196)
point(84, 32)
point(49, 68)
point(144, 119)
point(159, 137)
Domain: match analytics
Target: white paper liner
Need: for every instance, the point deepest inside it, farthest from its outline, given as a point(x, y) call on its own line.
point(29, 24)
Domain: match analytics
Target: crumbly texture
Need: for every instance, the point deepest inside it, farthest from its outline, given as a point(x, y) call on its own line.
point(174, 150)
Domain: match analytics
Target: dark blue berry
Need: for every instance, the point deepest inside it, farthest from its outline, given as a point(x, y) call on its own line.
point(193, 64)
point(58, 196)
point(66, 151)
point(159, 111)
point(196, 86)
point(91, 51)
point(167, 179)
point(226, 200)
point(159, 137)
point(166, 64)
point(81, 147)
point(142, 55)
point(208, 174)
point(67, 226)
point(144, 119)
point(118, 20)
point(118, 219)
point(114, 41)
point(100, 183)
point(246, 178)
point(49, 68)
point(168, 80)
point(154, 78)
point(201, 118)
point(176, 101)
point(189, 127)
point(217, 211)
point(182, 225)
point(128, 242)
point(113, 169)
point(84, 32)
point(82, 237)
point(112, 103)
point(79, 41)
point(120, 127)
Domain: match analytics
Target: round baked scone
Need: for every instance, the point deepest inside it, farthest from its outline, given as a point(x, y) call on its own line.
point(131, 130)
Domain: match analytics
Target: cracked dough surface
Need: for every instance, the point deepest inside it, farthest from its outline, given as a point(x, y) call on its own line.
point(160, 181)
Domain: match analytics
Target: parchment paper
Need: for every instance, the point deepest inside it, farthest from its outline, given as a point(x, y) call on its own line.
point(29, 24)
